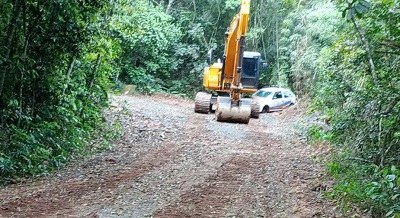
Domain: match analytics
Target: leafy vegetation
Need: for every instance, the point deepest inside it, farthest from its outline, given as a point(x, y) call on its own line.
point(52, 83)
point(60, 58)
point(357, 86)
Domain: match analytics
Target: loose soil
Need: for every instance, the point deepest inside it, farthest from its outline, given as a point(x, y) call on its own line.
point(171, 162)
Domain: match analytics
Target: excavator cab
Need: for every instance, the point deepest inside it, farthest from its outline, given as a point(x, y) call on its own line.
point(252, 64)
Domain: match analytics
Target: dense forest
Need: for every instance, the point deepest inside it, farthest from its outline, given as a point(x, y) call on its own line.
point(60, 59)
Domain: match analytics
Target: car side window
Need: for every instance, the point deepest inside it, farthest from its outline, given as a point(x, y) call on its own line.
point(287, 94)
point(278, 95)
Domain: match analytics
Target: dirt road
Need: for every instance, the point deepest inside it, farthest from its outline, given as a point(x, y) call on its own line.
point(171, 162)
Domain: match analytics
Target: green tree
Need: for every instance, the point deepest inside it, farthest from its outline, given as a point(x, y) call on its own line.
point(358, 88)
point(51, 90)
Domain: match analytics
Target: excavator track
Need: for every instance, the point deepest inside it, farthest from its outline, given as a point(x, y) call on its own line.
point(202, 103)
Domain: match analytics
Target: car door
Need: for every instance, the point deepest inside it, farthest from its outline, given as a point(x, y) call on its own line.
point(288, 98)
point(277, 101)
point(262, 97)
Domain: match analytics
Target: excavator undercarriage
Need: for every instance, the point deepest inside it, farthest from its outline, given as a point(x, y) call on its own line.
point(224, 110)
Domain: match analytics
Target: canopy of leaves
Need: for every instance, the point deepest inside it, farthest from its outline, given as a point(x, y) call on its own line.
point(148, 38)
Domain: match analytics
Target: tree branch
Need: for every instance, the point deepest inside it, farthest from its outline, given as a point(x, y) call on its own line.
point(387, 52)
point(390, 44)
point(360, 159)
point(367, 47)
point(169, 6)
point(70, 69)
point(96, 68)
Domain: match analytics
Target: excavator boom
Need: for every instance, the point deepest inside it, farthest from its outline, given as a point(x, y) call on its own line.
point(234, 45)
point(233, 108)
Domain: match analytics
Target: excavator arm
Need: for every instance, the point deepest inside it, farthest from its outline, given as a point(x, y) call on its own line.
point(234, 48)
point(234, 108)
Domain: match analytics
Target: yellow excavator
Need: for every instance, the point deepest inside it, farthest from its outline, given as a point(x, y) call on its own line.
point(237, 74)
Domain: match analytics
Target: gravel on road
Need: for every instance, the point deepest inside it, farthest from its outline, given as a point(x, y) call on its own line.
point(171, 162)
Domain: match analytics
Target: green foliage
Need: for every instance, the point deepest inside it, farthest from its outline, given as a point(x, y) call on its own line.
point(232, 4)
point(357, 86)
point(304, 34)
point(154, 51)
point(147, 37)
point(316, 133)
point(53, 83)
point(356, 8)
point(378, 195)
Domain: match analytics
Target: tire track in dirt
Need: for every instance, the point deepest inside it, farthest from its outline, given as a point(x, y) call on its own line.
point(65, 196)
point(249, 184)
point(202, 155)
point(231, 192)
point(270, 173)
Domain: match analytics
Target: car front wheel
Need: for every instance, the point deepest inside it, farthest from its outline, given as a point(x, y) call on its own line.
point(265, 109)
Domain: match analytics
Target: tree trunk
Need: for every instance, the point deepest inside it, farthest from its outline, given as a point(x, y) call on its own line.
point(21, 88)
point(367, 47)
point(194, 10)
point(169, 6)
point(96, 68)
point(12, 26)
point(70, 69)
point(24, 57)
point(277, 46)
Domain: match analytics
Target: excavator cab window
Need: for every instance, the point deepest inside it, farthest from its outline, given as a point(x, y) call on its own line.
point(250, 66)
point(250, 72)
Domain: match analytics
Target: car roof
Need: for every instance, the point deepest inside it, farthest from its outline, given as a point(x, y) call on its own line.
point(274, 89)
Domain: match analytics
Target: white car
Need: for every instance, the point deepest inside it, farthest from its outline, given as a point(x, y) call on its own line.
point(273, 98)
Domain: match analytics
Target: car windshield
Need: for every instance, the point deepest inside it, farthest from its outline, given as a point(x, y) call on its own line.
point(263, 93)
